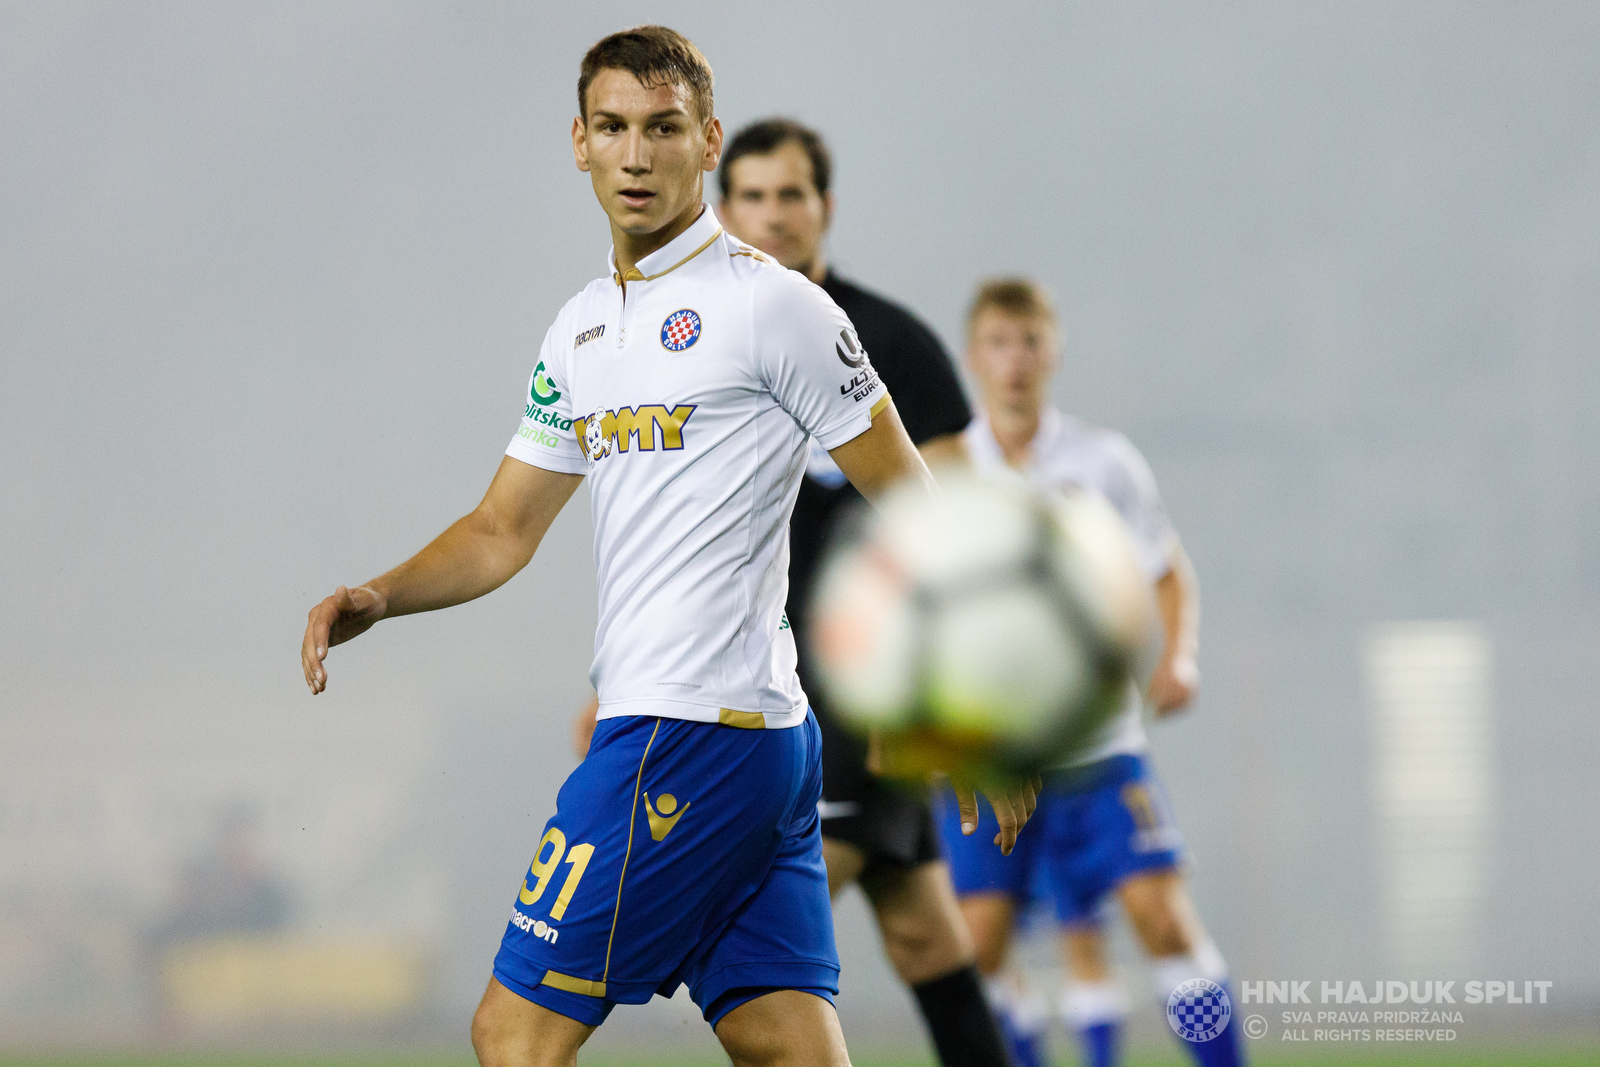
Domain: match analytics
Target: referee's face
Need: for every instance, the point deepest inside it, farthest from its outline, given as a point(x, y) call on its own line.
point(1012, 357)
point(773, 203)
point(646, 151)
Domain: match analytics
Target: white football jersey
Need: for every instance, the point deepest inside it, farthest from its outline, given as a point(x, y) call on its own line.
point(687, 398)
point(1068, 455)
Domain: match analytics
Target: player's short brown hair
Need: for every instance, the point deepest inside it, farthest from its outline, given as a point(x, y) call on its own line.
point(655, 55)
point(769, 135)
point(1022, 297)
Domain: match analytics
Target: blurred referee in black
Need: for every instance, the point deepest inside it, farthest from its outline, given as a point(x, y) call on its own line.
point(776, 195)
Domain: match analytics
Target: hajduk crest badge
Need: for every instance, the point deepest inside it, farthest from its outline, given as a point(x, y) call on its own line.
point(680, 330)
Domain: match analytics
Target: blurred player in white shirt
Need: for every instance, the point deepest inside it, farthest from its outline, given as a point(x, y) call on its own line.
point(1103, 827)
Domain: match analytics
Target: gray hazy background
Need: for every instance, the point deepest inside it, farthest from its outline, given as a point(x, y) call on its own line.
point(272, 279)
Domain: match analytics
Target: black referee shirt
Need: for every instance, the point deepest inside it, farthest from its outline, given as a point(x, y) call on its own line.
point(927, 394)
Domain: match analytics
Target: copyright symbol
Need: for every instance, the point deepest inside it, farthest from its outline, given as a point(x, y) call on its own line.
point(1255, 1026)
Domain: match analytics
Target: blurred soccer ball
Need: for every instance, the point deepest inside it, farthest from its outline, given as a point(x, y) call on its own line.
point(987, 632)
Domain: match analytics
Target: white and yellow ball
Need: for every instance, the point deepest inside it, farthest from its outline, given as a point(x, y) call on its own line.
point(986, 631)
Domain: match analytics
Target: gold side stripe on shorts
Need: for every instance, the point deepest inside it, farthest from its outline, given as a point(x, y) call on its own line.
point(633, 817)
point(744, 720)
point(568, 984)
point(878, 405)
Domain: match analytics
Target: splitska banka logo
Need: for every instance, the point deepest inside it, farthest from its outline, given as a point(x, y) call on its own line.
point(541, 392)
point(632, 430)
point(664, 815)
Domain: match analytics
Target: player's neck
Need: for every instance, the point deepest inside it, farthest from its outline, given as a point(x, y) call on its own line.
point(1014, 430)
point(630, 248)
point(817, 269)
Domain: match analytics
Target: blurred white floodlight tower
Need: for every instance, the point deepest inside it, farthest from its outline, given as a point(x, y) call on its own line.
point(1433, 783)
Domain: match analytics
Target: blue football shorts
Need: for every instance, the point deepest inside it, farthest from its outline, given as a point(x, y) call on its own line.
point(1095, 826)
point(681, 853)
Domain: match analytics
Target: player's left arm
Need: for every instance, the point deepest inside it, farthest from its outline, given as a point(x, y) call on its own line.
point(1176, 678)
point(876, 461)
point(882, 457)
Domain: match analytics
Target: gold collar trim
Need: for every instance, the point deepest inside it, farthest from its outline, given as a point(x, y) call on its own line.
point(634, 275)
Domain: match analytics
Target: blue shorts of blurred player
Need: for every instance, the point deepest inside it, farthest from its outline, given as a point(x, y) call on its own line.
point(1095, 826)
point(681, 853)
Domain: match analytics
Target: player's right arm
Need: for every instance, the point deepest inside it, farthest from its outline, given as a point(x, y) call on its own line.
point(476, 555)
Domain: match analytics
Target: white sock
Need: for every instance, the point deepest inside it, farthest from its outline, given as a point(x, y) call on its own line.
point(1026, 1011)
point(1086, 1004)
point(1172, 971)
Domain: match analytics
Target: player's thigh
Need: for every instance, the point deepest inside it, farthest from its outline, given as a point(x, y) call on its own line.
point(783, 1028)
point(1158, 908)
point(924, 934)
point(845, 863)
point(1083, 947)
point(508, 1031)
point(990, 917)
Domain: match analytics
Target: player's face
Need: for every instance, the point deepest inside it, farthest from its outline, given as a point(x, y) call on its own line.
point(1012, 357)
point(645, 150)
point(773, 203)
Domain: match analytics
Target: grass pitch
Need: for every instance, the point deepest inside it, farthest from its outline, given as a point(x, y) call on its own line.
point(1262, 1054)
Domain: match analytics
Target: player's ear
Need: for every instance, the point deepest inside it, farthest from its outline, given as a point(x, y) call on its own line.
point(580, 143)
point(713, 144)
point(827, 209)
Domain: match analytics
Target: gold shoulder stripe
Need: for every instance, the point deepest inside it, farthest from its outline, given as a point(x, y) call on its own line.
point(568, 984)
point(881, 403)
point(743, 720)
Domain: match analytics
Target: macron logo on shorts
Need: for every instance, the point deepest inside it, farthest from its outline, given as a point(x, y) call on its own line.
point(664, 815)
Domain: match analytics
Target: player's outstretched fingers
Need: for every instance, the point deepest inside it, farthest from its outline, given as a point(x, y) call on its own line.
point(1008, 818)
point(345, 614)
point(967, 801)
point(1029, 795)
point(319, 620)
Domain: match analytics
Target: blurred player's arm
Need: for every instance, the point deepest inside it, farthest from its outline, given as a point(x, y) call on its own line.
point(947, 450)
point(1176, 679)
point(583, 726)
point(476, 555)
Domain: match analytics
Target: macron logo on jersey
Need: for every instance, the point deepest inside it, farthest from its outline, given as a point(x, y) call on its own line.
point(632, 429)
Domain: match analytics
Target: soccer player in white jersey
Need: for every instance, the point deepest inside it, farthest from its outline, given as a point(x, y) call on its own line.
point(684, 384)
point(1103, 827)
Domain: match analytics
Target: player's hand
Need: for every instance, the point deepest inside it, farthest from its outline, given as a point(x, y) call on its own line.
point(347, 613)
point(1174, 683)
point(1012, 809)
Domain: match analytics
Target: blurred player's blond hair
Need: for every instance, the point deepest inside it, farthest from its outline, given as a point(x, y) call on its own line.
point(1019, 296)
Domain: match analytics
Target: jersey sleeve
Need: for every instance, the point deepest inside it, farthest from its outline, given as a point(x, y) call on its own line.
point(546, 438)
point(809, 355)
point(1131, 488)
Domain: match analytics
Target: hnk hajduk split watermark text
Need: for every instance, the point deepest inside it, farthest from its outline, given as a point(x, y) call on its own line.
point(1376, 1015)
point(1389, 991)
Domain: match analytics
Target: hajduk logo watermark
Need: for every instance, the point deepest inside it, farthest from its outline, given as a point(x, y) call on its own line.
point(1199, 1010)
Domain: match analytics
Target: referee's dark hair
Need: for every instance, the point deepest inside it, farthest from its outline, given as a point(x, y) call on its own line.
point(655, 55)
point(769, 135)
